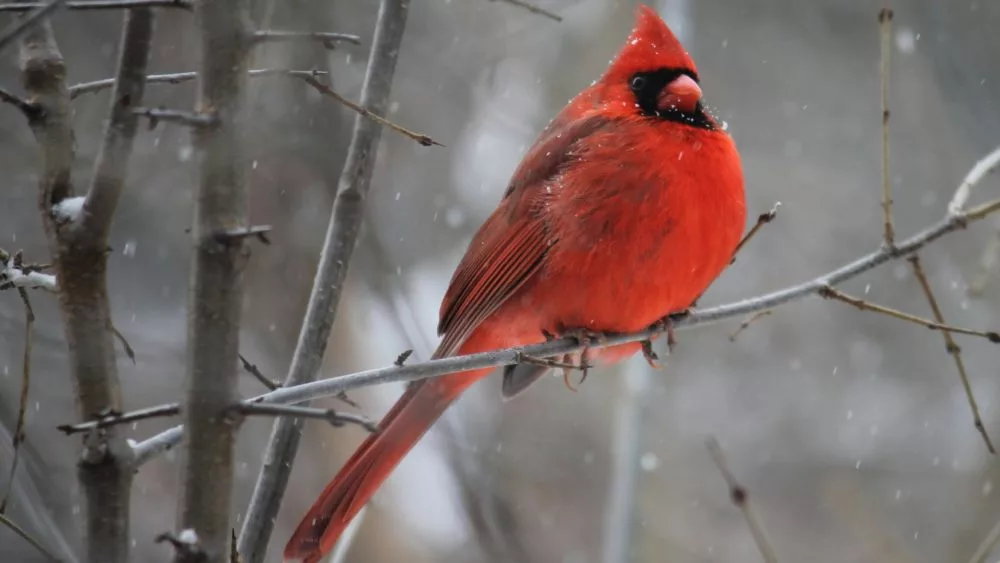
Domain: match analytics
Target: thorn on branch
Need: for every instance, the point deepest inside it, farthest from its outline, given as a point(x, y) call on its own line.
point(326, 39)
point(402, 357)
point(738, 494)
point(953, 350)
point(103, 5)
point(828, 292)
point(762, 219)
point(180, 117)
point(334, 418)
point(423, 140)
point(185, 544)
point(257, 231)
point(534, 9)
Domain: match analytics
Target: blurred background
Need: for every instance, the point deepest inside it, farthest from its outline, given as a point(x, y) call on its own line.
point(849, 429)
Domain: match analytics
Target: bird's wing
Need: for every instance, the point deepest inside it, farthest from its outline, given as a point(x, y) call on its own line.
point(512, 243)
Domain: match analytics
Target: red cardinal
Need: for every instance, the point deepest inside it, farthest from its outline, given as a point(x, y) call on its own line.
point(625, 210)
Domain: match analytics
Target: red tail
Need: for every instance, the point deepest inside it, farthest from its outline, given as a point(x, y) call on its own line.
point(422, 403)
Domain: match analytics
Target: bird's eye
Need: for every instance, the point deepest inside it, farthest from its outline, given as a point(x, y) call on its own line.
point(637, 83)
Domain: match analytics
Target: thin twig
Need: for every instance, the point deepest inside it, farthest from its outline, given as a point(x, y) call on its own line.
point(987, 264)
point(125, 345)
point(253, 370)
point(831, 293)
point(368, 113)
point(216, 287)
point(885, 33)
point(326, 39)
point(338, 247)
point(953, 350)
point(27, 537)
point(103, 5)
point(22, 405)
point(534, 9)
point(982, 553)
point(116, 419)
point(180, 117)
point(983, 166)
point(21, 26)
point(747, 322)
point(28, 109)
point(335, 418)
point(741, 498)
point(181, 77)
point(762, 219)
point(412, 372)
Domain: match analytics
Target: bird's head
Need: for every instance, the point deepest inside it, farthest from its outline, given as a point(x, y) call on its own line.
point(653, 75)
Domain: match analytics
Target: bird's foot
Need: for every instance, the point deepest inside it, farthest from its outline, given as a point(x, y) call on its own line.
point(577, 360)
point(666, 324)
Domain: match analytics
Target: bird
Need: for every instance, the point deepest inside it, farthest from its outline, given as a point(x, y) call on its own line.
point(630, 203)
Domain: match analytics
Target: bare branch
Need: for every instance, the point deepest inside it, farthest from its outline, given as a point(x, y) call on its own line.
point(253, 370)
point(885, 34)
point(27, 537)
point(986, 547)
point(22, 404)
point(534, 9)
point(216, 290)
point(109, 419)
point(741, 499)
point(412, 372)
point(984, 166)
point(181, 77)
point(103, 5)
point(953, 350)
point(28, 109)
point(24, 277)
point(762, 219)
point(326, 39)
point(22, 26)
point(747, 322)
point(180, 117)
point(365, 112)
point(105, 465)
point(338, 247)
point(335, 418)
point(108, 179)
point(987, 264)
point(831, 293)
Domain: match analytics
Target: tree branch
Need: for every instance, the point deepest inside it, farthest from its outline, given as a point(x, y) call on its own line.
point(534, 9)
point(738, 494)
point(326, 39)
point(338, 247)
point(22, 405)
point(178, 116)
point(102, 5)
point(28, 109)
point(108, 179)
point(885, 35)
point(216, 286)
point(335, 418)
point(180, 77)
point(7, 522)
point(22, 26)
point(953, 350)
point(105, 464)
point(831, 293)
point(434, 368)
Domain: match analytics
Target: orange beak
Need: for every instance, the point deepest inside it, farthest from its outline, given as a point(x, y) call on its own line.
point(683, 94)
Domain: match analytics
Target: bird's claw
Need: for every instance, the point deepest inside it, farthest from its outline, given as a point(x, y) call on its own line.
point(650, 355)
point(666, 324)
point(585, 337)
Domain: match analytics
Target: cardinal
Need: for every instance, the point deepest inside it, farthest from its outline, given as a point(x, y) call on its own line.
point(627, 207)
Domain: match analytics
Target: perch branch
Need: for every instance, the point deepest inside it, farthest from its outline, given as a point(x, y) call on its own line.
point(831, 293)
point(338, 247)
point(953, 350)
point(181, 77)
point(326, 39)
point(216, 286)
point(885, 35)
point(738, 494)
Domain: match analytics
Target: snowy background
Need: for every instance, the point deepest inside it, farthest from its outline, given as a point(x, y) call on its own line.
point(850, 430)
